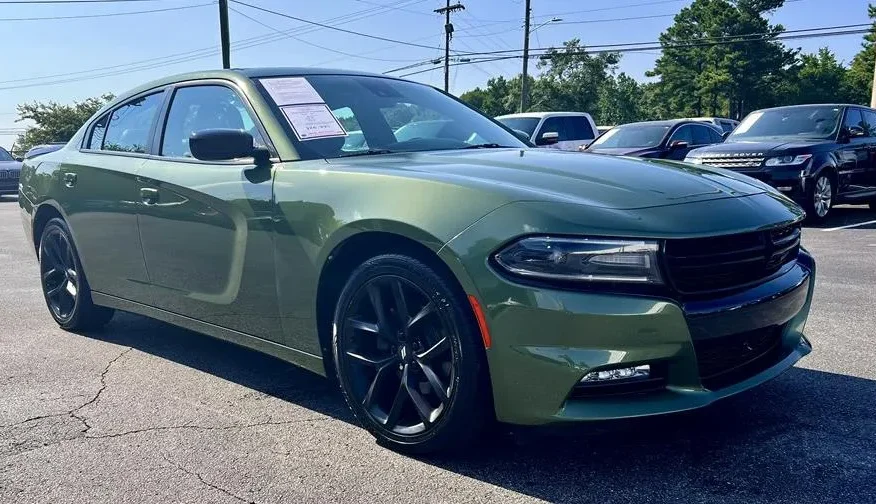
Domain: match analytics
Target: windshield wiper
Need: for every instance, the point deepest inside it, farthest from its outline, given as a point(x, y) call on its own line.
point(488, 146)
point(369, 152)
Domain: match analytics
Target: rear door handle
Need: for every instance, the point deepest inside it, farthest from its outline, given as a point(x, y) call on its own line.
point(69, 179)
point(148, 195)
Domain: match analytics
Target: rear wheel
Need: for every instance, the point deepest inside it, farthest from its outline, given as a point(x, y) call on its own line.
point(819, 198)
point(65, 288)
point(407, 357)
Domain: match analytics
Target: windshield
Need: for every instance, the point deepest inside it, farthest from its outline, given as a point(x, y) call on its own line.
point(634, 135)
point(377, 116)
point(524, 124)
point(5, 156)
point(797, 122)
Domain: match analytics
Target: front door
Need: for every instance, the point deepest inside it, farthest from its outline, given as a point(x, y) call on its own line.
point(683, 134)
point(855, 155)
point(207, 227)
point(100, 197)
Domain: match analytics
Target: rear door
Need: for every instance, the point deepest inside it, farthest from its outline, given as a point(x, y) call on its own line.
point(100, 197)
point(869, 176)
point(579, 132)
point(207, 227)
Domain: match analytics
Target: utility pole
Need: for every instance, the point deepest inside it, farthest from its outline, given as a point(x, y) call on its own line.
point(448, 34)
point(223, 34)
point(524, 83)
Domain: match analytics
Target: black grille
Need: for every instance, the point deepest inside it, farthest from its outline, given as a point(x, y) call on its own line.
point(730, 359)
point(705, 265)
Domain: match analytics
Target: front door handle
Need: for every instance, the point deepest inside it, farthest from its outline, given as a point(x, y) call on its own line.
point(69, 179)
point(148, 195)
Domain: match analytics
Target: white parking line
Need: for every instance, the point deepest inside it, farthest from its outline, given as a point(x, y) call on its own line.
point(849, 226)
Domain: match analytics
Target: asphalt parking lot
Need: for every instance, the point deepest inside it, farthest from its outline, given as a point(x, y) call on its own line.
point(145, 412)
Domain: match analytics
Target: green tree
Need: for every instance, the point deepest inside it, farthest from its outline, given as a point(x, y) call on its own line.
point(55, 122)
point(820, 78)
point(859, 80)
point(571, 78)
point(732, 77)
point(620, 101)
point(497, 98)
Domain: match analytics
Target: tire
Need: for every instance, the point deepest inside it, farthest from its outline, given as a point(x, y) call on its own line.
point(819, 198)
point(64, 285)
point(384, 362)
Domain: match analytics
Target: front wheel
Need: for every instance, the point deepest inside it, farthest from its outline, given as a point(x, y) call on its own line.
point(819, 198)
point(406, 353)
point(65, 288)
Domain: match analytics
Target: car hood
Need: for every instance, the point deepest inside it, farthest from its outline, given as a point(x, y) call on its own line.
point(572, 177)
point(10, 165)
point(759, 148)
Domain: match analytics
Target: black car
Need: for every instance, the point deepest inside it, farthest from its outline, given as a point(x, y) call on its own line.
point(9, 171)
point(656, 139)
point(818, 155)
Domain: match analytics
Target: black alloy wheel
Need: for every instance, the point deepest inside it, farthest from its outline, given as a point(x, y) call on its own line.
point(64, 286)
point(405, 357)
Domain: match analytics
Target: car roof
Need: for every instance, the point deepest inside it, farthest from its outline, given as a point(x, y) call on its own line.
point(815, 105)
point(240, 74)
point(539, 115)
point(711, 118)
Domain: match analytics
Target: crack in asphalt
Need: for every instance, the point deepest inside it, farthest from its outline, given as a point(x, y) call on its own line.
point(73, 413)
point(205, 482)
point(206, 427)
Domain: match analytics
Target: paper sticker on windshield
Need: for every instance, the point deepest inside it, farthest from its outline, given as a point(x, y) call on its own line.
point(310, 122)
point(291, 91)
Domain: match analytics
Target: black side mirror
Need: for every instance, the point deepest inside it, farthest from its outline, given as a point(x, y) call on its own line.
point(225, 145)
point(548, 138)
point(678, 144)
point(725, 135)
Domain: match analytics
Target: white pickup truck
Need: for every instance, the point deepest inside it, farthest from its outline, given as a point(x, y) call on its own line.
point(558, 130)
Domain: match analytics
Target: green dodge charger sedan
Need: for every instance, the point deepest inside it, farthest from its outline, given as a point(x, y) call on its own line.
point(446, 279)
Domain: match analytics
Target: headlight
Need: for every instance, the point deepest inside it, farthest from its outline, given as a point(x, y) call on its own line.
point(582, 259)
point(788, 160)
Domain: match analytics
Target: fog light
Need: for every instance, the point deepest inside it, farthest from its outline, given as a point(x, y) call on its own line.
point(628, 373)
point(785, 188)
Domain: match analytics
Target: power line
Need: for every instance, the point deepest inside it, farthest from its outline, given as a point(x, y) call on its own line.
point(86, 16)
point(654, 46)
point(351, 32)
point(183, 57)
point(316, 45)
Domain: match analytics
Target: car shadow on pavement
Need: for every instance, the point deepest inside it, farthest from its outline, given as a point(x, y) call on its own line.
point(254, 370)
point(845, 215)
point(808, 436)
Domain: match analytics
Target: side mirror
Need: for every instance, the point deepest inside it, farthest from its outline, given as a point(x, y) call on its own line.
point(855, 131)
point(522, 136)
point(678, 144)
point(225, 145)
point(725, 135)
point(548, 138)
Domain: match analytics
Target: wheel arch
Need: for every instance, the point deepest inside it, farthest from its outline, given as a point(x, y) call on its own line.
point(352, 245)
point(46, 211)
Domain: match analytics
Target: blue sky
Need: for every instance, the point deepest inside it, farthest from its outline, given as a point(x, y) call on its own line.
point(67, 49)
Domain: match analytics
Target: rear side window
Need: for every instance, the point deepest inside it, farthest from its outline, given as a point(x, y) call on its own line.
point(715, 136)
point(870, 122)
point(578, 128)
point(198, 108)
point(95, 141)
point(726, 126)
point(701, 135)
point(130, 124)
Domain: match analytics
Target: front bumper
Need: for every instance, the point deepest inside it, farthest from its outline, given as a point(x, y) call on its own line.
point(545, 341)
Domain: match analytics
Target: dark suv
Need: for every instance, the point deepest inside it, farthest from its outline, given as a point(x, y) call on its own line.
point(818, 155)
point(9, 171)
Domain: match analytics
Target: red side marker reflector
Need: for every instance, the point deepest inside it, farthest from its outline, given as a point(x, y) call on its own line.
point(482, 321)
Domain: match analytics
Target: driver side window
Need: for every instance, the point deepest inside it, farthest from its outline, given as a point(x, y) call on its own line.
point(198, 108)
point(683, 134)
